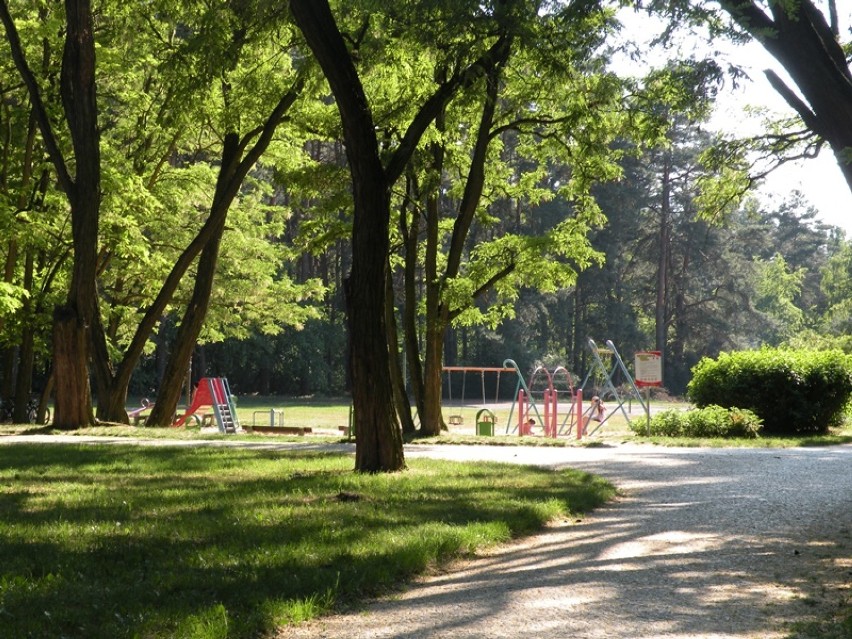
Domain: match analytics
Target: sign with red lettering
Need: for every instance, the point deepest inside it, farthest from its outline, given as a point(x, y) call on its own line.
point(649, 368)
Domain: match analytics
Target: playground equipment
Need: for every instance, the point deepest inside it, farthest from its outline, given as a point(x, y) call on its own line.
point(271, 422)
point(214, 392)
point(545, 387)
point(538, 402)
point(606, 374)
point(525, 401)
point(485, 422)
point(457, 418)
point(136, 415)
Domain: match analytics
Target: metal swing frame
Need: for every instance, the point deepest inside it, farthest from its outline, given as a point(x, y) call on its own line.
point(608, 385)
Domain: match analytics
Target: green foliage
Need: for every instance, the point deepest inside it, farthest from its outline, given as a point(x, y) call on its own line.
point(11, 298)
point(711, 421)
point(836, 284)
point(793, 392)
point(777, 288)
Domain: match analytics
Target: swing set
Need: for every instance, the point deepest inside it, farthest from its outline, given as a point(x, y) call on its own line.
point(485, 419)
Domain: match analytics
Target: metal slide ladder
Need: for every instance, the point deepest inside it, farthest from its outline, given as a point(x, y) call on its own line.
point(223, 405)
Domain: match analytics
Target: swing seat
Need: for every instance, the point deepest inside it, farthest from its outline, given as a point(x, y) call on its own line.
point(456, 420)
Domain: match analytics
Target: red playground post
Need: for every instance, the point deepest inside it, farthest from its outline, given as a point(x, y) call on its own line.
point(551, 408)
point(524, 427)
point(581, 426)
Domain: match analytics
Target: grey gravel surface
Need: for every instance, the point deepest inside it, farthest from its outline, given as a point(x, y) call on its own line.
point(701, 544)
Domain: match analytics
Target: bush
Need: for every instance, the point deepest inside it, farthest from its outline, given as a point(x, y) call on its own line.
point(793, 392)
point(712, 421)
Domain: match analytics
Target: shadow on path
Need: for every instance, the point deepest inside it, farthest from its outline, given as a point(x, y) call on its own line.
point(701, 544)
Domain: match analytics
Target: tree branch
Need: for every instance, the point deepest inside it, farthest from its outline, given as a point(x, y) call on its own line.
point(484, 288)
point(27, 76)
point(796, 103)
point(433, 106)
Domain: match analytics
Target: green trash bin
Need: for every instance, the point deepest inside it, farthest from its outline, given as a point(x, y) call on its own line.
point(485, 423)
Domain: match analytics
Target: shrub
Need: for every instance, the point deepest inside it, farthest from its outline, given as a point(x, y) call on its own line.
point(712, 421)
point(793, 392)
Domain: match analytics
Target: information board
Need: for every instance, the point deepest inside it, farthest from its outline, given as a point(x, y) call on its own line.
point(649, 368)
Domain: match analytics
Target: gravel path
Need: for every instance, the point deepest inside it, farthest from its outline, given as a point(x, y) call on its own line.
point(702, 543)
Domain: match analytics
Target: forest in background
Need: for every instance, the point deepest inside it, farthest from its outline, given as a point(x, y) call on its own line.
point(764, 276)
point(547, 201)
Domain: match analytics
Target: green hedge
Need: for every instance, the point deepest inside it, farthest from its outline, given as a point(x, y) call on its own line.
point(712, 421)
point(793, 392)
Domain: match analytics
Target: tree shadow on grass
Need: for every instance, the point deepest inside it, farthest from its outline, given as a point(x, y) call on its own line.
point(702, 544)
point(161, 542)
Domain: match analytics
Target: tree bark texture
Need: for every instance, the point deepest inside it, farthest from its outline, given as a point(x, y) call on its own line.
point(397, 376)
point(71, 375)
point(799, 37)
point(171, 386)
point(410, 231)
point(74, 319)
point(378, 435)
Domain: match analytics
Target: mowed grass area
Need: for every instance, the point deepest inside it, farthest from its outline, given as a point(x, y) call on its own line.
point(125, 541)
point(325, 417)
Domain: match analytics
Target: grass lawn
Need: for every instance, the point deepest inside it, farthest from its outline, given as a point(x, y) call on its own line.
point(325, 417)
point(127, 541)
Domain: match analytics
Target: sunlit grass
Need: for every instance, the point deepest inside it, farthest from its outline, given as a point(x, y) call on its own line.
point(326, 416)
point(172, 542)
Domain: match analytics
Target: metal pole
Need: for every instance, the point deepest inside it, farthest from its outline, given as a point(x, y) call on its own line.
point(648, 407)
point(554, 397)
point(580, 424)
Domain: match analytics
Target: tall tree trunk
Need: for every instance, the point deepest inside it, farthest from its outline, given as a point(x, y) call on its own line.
point(190, 327)
point(26, 357)
point(379, 442)
point(410, 231)
point(433, 423)
point(232, 171)
point(660, 305)
point(432, 419)
point(112, 386)
point(8, 356)
point(438, 316)
point(73, 320)
point(26, 353)
point(400, 396)
point(77, 89)
point(378, 435)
